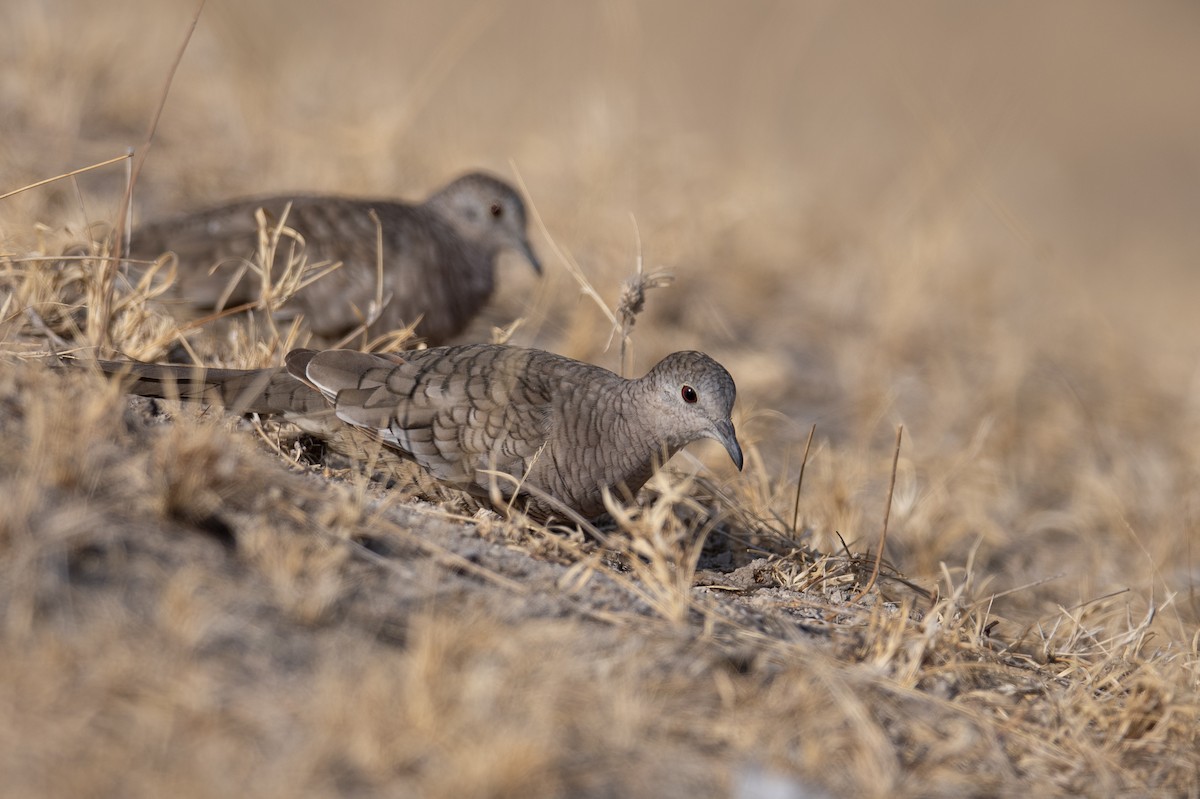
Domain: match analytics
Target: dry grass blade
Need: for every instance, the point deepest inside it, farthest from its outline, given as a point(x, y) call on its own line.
point(98, 321)
point(632, 299)
point(664, 548)
point(569, 262)
point(887, 512)
point(800, 479)
point(70, 174)
point(394, 340)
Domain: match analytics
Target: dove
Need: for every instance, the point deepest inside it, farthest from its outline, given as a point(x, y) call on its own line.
point(503, 423)
point(438, 256)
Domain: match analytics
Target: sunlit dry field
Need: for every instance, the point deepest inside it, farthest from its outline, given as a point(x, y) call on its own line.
point(975, 222)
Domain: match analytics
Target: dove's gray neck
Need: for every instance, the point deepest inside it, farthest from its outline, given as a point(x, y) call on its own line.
point(651, 442)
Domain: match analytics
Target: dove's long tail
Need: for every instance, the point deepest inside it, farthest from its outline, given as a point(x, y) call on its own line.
point(266, 391)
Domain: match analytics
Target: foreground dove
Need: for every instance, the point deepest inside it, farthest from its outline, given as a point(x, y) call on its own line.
point(561, 431)
point(439, 256)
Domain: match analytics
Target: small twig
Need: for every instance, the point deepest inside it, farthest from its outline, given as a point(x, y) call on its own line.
point(887, 512)
point(800, 479)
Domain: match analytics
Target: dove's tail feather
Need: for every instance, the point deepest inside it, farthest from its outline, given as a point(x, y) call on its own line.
point(265, 391)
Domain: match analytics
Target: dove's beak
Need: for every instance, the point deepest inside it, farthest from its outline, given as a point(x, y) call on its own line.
point(726, 435)
point(526, 251)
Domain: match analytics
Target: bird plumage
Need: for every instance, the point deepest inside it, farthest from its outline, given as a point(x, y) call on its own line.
point(486, 418)
point(439, 256)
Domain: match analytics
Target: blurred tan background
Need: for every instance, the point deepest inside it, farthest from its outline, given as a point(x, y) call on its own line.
point(982, 221)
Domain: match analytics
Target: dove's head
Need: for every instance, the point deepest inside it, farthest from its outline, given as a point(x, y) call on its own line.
point(487, 212)
point(695, 397)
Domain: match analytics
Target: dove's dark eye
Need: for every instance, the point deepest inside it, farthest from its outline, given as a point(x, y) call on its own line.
point(689, 394)
point(497, 210)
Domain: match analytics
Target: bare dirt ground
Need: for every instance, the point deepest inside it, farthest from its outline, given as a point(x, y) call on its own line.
point(975, 221)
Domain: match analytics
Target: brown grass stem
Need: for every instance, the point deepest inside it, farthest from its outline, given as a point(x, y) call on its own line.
point(800, 479)
point(887, 512)
point(70, 174)
point(98, 317)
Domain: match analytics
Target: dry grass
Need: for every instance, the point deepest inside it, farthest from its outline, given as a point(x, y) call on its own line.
point(939, 218)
